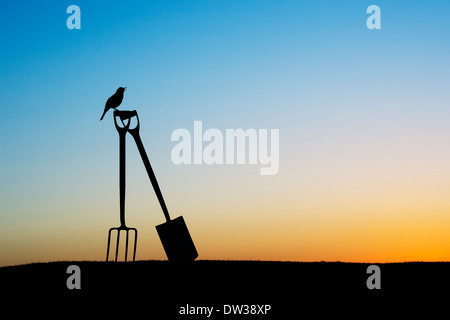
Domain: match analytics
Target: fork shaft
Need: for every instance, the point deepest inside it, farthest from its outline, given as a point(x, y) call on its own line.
point(122, 141)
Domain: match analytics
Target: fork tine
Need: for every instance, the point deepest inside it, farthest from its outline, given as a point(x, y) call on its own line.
point(135, 243)
point(109, 240)
point(117, 245)
point(126, 245)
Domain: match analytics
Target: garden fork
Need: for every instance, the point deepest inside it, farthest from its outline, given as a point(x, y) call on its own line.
point(123, 115)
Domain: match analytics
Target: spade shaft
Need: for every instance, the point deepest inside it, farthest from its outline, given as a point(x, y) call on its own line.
point(135, 133)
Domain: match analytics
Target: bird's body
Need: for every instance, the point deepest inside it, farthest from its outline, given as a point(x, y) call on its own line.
point(114, 101)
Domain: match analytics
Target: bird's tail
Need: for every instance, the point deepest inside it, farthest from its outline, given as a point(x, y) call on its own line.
point(104, 112)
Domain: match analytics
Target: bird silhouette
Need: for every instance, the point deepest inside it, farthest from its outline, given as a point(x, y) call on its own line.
point(114, 101)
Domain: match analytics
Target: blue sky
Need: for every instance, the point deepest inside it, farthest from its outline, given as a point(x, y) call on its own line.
point(311, 69)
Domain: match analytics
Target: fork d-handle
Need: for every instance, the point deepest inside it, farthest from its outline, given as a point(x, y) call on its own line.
point(135, 133)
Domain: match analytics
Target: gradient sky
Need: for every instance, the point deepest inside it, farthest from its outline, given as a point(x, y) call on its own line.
point(363, 118)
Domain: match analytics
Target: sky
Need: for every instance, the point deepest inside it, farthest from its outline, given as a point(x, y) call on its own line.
point(364, 139)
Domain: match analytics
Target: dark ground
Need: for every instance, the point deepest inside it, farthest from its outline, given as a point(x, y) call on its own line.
point(158, 289)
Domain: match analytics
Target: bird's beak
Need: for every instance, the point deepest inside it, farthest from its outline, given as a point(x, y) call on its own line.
point(124, 88)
